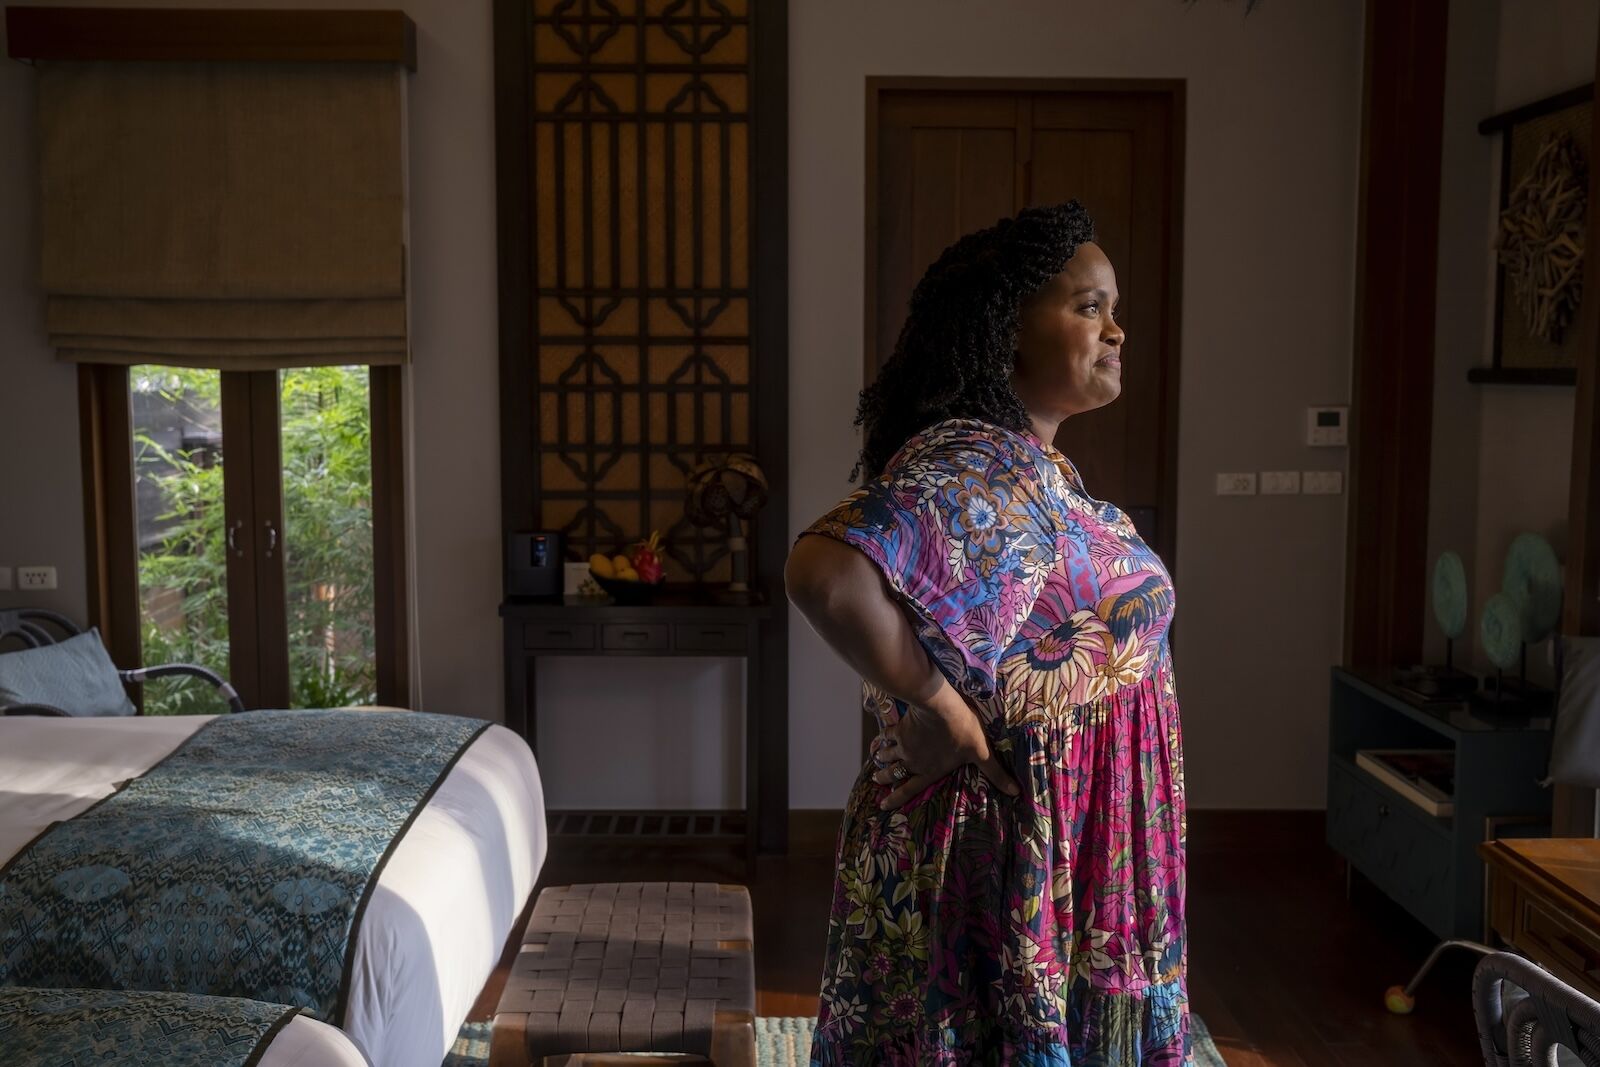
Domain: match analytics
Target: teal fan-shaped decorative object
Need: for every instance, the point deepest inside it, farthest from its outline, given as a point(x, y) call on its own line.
point(1501, 631)
point(1532, 581)
point(1450, 595)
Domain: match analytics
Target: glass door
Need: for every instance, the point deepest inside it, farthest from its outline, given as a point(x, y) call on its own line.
point(260, 568)
point(326, 441)
point(180, 529)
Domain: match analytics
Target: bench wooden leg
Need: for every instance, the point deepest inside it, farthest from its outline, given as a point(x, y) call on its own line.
point(733, 1039)
point(508, 1041)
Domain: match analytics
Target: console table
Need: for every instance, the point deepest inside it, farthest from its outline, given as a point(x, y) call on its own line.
point(1544, 901)
point(1428, 864)
point(680, 625)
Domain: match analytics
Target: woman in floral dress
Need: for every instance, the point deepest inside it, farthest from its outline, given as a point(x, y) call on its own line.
point(1010, 882)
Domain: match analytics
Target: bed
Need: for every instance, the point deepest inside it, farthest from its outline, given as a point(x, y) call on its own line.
point(444, 903)
point(48, 1027)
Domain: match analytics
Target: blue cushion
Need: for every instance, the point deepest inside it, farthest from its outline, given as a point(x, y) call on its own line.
point(75, 675)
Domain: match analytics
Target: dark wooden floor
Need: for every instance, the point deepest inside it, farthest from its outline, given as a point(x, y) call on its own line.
point(1283, 968)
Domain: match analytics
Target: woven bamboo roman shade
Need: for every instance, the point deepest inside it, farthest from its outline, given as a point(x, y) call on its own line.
point(245, 216)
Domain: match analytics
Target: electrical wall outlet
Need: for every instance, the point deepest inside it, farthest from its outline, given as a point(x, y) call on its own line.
point(5, 579)
point(1280, 483)
point(36, 577)
point(1323, 483)
point(1236, 484)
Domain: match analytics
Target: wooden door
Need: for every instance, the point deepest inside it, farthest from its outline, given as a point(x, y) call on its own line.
point(946, 158)
point(948, 164)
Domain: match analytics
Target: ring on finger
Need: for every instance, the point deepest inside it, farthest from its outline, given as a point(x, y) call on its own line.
point(899, 773)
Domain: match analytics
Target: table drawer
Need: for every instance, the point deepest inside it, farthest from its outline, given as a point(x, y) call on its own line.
point(708, 637)
point(635, 636)
point(556, 635)
point(1557, 941)
point(1392, 844)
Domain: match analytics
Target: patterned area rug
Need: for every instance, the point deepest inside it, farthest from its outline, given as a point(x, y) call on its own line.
point(472, 1046)
point(1203, 1050)
point(784, 1042)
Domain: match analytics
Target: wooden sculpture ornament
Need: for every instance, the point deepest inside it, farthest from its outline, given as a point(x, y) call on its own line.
point(1541, 239)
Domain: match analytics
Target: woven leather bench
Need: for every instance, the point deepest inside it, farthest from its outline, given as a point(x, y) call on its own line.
point(662, 967)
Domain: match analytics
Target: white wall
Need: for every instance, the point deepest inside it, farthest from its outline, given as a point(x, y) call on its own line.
point(640, 733)
point(1502, 454)
point(1270, 206)
point(41, 495)
point(1273, 132)
point(455, 377)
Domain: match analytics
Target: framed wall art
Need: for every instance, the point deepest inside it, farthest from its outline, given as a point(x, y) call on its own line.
point(1539, 238)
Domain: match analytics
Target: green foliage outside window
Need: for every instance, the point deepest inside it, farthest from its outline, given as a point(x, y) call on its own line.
point(327, 540)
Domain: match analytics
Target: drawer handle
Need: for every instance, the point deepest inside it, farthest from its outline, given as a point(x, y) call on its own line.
point(630, 635)
point(558, 633)
point(1383, 811)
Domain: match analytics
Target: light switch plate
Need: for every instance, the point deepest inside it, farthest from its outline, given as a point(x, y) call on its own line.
point(36, 577)
point(1280, 483)
point(1236, 484)
point(1323, 483)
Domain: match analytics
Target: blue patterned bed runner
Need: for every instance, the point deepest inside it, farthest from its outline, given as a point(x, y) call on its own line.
point(108, 1028)
point(239, 866)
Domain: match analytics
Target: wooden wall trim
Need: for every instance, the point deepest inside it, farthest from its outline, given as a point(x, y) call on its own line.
point(138, 34)
point(1574, 808)
point(1392, 373)
point(770, 369)
point(513, 202)
point(519, 332)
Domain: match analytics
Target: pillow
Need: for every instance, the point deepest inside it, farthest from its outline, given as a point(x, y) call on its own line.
point(1575, 743)
point(75, 675)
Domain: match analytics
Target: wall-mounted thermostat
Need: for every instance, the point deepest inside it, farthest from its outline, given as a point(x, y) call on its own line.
point(1325, 427)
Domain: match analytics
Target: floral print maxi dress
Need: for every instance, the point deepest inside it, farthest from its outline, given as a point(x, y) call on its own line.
point(969, 927)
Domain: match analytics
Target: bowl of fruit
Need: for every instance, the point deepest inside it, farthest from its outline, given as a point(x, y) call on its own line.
point(630, 578)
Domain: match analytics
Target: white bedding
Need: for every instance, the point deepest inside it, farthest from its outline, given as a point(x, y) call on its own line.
point(443, 907)
point(308, 1043)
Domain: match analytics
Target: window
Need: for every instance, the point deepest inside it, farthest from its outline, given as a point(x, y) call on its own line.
point(252, 526)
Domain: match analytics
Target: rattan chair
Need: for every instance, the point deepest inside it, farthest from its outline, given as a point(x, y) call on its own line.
point(35, 628)
point(1526, 1025)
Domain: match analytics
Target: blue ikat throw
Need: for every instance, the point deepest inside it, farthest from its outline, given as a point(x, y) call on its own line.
point(239, 866)
point(108, 1028)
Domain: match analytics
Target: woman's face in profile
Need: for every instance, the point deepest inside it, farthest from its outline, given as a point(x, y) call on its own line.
point(1069, 346)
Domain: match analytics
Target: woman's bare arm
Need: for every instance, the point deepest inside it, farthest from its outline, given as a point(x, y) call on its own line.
point(844, 597)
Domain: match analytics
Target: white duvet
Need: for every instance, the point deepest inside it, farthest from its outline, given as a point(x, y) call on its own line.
point(442, 911)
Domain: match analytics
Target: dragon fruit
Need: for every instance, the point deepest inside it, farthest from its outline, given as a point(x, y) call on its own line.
point(647, 559)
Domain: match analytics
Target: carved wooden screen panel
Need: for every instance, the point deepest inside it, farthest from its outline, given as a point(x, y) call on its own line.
point(640, 160)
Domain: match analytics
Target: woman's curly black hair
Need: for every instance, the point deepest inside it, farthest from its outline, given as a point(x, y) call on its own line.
point(957, 349)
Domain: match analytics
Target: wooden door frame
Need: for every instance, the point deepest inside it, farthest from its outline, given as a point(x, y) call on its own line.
point(110, 530)
point(111, 555)
point(1175, 90)
point(1392, 369)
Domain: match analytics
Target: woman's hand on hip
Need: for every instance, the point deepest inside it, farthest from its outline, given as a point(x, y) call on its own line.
point(931, 741)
